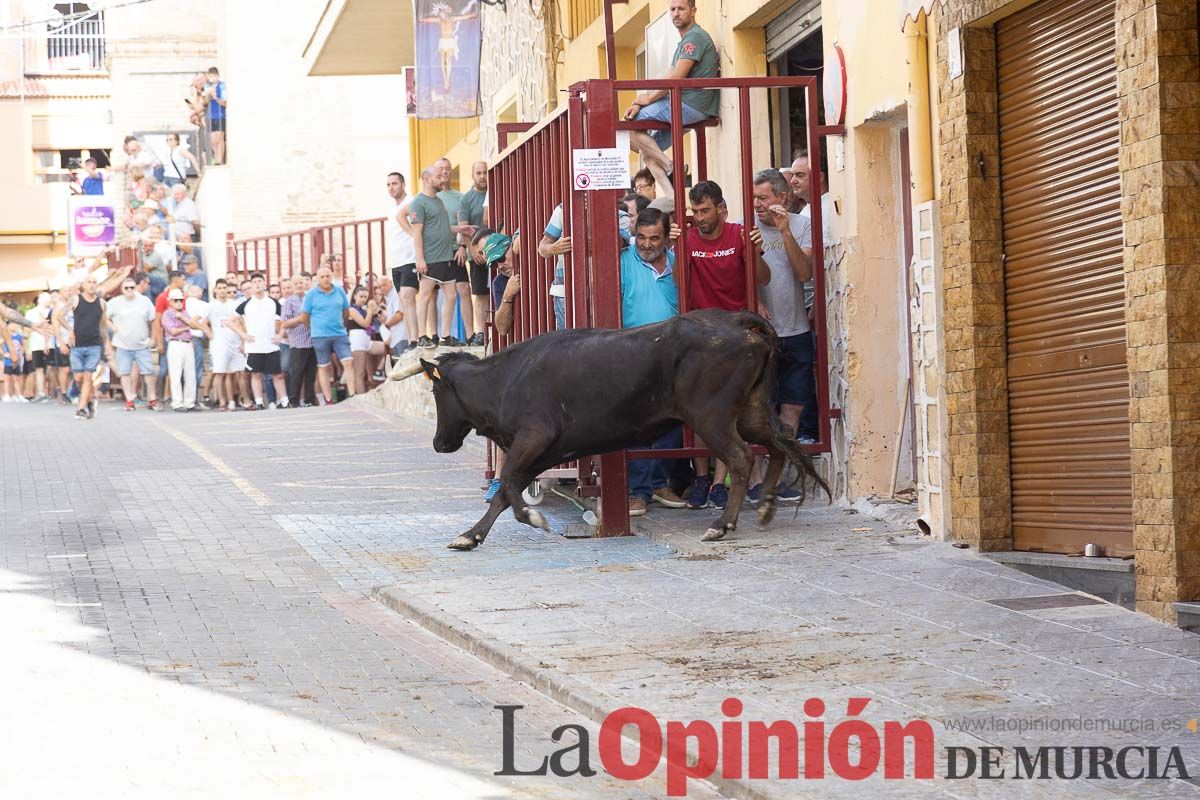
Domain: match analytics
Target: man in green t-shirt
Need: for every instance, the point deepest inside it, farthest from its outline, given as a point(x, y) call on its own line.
point(434, 245)
point(470, 220)
point(452, 199)
point(695, 57)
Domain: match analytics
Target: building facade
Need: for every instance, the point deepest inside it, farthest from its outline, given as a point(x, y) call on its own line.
point(1012, 314)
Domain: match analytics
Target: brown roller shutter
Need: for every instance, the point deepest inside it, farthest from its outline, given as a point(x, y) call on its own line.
point(1068, 385)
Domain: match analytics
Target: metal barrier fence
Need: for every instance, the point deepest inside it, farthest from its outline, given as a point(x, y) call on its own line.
point(360, 247)
point(533, 176)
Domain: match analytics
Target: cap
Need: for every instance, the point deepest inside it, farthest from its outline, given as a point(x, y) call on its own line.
point(175, 294)
point(495, 247)
point(666, 204)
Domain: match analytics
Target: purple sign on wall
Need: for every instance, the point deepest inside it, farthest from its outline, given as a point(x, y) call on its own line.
point(91, 225)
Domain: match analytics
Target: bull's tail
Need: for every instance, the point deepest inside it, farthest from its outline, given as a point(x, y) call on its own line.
point(785, 439)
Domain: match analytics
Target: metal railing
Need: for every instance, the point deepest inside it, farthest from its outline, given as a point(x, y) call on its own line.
point(78, 45)
point(359, 246)
point(533, 175)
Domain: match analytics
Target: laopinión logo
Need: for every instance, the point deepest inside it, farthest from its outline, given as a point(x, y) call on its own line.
point(697, 750)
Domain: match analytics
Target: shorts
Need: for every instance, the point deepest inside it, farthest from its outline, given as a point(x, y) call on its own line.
point(323, 346)
point(10, 369)
point(360, 341)
point(227, 359)
point(479, 279)
point(796, 383)
point(39, 359)
point(86, 358)
point(447, 272)
point(660, 111)
point(216, 125)
point(127, 358)
point(266, 363)
point(405, 276)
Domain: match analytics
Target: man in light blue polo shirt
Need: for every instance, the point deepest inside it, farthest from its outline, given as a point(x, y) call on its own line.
point(649, 295)
point(324, 311)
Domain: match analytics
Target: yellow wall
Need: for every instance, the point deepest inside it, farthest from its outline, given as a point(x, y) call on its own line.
point(457, 139)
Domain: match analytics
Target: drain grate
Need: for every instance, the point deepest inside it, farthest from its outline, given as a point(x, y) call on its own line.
point(1046, 601)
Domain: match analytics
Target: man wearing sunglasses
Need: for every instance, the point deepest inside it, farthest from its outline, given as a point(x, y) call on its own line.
point(177, 327)
point(129, 317)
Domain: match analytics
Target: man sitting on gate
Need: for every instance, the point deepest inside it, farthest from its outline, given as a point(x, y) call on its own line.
point(695, 57)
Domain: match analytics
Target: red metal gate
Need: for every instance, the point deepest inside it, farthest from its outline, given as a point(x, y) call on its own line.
point(533, 176)
point(360, 248)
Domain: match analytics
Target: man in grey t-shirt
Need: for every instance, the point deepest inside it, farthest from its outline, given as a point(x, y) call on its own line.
point(129, 317)
point(785, 244)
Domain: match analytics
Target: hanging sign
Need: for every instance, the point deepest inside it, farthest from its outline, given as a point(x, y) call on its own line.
point(600, 168)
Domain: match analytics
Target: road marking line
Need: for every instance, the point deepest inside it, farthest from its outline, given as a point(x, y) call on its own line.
point(246, 487)
point(69, 555)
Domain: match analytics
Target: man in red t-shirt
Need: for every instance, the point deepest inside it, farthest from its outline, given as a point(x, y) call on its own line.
point(716, 251)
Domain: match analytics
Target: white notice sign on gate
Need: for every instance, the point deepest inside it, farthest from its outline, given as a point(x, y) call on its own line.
point(601, 168)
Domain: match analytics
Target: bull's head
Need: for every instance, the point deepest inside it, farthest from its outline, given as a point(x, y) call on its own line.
point(453, 423)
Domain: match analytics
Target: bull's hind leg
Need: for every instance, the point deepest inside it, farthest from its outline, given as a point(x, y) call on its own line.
point(723, 440)
point(754, 425)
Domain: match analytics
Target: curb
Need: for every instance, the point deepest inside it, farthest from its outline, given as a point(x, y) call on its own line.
point(561, 688)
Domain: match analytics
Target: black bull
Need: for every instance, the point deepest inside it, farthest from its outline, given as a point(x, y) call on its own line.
point(568, 394)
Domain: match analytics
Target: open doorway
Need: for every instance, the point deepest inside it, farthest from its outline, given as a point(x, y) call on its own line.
point(794, 48)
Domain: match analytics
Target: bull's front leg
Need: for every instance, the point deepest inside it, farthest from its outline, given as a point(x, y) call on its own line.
point(521, 511)
point(479, 531)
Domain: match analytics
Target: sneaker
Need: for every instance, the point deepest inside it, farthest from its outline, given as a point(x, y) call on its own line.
point(412, 345)
point(285, 403)
point(788, 492)
point(718, 496)
point(81, 414)
point(425, 341)
point(231, 406)
point(378, 375)
point(178, 409)
point(154, 406)
point(476, 341)
point(129, 406)
point(492, 490)
point(697, 493)
point(261, 407)
point(451, 341)
point(270, 405)
point(754, 493)
point(802, 439)
point(665, 497)
point(637, 505)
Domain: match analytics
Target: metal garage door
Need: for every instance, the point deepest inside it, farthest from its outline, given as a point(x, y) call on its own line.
point(1068, 386)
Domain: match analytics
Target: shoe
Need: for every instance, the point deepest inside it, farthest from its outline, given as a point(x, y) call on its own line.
point(378, 375)
point(154, 406)
point(81, 414)
point(284, 404)
point(476, 341)
point(637, 505)
point(492, 490)
point(425, 341)
point(665, 497)
point(786, 492)
point(450, 341)
point(231, 406)
point(436, 341)
point(718, 496)
point(261, 407)
point(91, 409)
point(129, 406)
point(41, 398)
point(802, 439)
point(411, 346)
point(6, 399)
point(307, 404)
point(754, 494)
point(697, 493)
point(178, 409)
point(270, 405)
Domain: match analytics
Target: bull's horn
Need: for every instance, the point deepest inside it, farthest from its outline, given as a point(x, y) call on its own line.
point(400, 373)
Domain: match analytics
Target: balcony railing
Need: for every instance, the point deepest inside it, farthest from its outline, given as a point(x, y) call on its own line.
point(78, 45)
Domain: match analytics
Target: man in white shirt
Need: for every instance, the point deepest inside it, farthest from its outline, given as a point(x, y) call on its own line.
point(402, 259)
point(184, 210)
point(129, 317)
point(225, 348)
point(198, 309)
point(259, 323)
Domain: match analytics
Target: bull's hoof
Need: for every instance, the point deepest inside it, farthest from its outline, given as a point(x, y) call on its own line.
point(463, 542)
point(714, 534)
point(538, 520)
point(766, 513)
